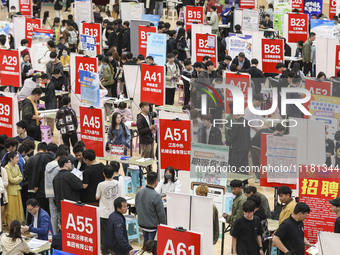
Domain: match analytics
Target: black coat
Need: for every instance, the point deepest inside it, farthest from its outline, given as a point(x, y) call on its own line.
point(257, 77)
point(82, 166)
point(116, 237)
point(145, 134)
point(215, 136)
point(58, 83)
point(112, 40)
point(126, 40)
point(34, 171)
point(66, 186)
point(246, 64)
point(49, 98)
point(240, 136)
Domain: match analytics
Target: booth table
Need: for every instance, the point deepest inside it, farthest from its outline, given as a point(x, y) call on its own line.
point(276, 32)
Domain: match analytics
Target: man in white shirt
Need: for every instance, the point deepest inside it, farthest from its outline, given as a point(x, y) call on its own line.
point(249, 116)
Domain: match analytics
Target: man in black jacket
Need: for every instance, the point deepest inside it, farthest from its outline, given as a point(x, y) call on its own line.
point(241, 62)
point(111, 37)
point(65, 184)
point(116, 238)
point(59, 80)
point(145, 131)
point(126, 37)
point(209, 134)
point(256, 75)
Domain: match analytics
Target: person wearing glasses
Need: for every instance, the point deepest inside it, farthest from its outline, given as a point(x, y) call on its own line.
point(65, 184)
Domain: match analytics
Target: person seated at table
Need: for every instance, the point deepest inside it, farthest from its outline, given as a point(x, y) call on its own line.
point(13, 242)
point(41, 223)
point(118, 134)
point(267, 24)
point(169, 183)
point(124, 111)
point(202, 190)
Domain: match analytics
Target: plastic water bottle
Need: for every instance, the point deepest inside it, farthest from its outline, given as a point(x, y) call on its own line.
point(50, 236)
point(63, 88)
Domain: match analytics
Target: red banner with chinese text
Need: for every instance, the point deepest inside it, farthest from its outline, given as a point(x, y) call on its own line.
point(206, 45)
point(272, 53)
point(152, 84)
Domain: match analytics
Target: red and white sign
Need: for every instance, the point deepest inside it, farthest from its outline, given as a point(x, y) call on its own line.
point(6, 120)
point(171, 241)
point(193, 14)
point(247, 4)
point(93, 30)
point(174, 147)
point(239, 80)
point(30, 25)
point(152, 84)
point(272, 53)
point(298, 4)
point(319, 87)
point(297, 27)
point(10, 74)
point(80, 228)
point(318, 185)
point(25, 7)
point(92, 129)
point(143, 37)
point(332, 8)
point(206, 45)
point(337, 59)
point(86, 64)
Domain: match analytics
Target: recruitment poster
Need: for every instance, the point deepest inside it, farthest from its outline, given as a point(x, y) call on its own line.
point(31, 24)
point(40, 53)
point(88, 44)
point(82, 63)
point(92, 129)
point(272, 53)
point(298, 4)
point(250, 20)
point(332, 8)
point(206, 45)
point(313, 7)
point(281, 8)
point(297, 27)
point(83, 11)
point(156, 47)
point(154, 19)
point(193, 14)
point(239, 80)
point(323, 28)
point(152, 88)
point(318, 185)
point(93, 30)
point(237, 43)
point(89, 88)
point(247, 4)
point(175, 144)
point(143, 37)
point(10, 71)
point(318, 87)
point(23, 6)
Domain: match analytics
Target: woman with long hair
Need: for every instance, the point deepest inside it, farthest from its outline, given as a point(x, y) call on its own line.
point(149, 248)
point(181, 44)
point(169, 183)
point(13, 243)
point(107, 79)
point(118, 135)
point(14, 209)
point(46, 22)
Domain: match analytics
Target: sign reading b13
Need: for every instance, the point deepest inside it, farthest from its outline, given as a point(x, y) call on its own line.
point(174, 137)
point(173, 242)
point(10, 68)
point(152, 84)
point(93, 30)
point(297, 27)
point(92, 129)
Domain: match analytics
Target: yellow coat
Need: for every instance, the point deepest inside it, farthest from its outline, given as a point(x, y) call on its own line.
point(287, 210)
point(14, 178)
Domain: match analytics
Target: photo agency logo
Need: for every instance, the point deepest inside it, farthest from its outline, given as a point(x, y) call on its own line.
point(294, 97)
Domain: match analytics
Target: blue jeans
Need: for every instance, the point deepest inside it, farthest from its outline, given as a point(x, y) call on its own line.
point(149, 235)
point(159, 8)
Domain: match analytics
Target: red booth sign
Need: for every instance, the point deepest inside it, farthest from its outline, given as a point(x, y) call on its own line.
point(298, 4)
point(193, 14)
point(297, 27)
point(86, 64)
point(239, 80)
point(319, 87)
point(152, 84)
point(174, 147)
point(272, 53)
point(30, 25)
point(6, 120)
point(143, 37)
point(93, 30)
point(337, 59)
point(318, 185)
point(10, 74)
point(247, 4)
point(171, 241)
point(92, 129)
point(206, 45)
point(332, 8)
point(80, 228)
point(25, 7)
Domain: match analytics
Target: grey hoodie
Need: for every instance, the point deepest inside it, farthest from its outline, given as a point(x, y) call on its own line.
point(18, 247)
point(51, 171)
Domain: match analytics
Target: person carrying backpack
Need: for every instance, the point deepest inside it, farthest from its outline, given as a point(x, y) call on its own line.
point(71, 36)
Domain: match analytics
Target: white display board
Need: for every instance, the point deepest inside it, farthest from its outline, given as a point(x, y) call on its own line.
point(238, 18)
point(193, 213)
point(328, 243)
point(325, 55)
point(250, 20)
point(19, 24)
point(132, 83)
point(83, 11)
point(131, 10)
point(197, 29)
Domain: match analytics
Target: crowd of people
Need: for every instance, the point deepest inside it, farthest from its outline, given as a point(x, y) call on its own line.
point(34, 179)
